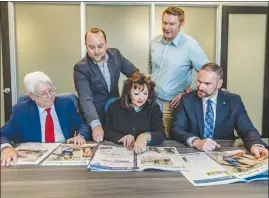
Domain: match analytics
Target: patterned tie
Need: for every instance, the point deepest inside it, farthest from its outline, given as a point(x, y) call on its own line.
point(209, 121)
point(49, 128)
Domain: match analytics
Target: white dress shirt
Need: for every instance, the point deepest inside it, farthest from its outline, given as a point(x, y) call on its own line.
point(214, 107)
point(59, 137)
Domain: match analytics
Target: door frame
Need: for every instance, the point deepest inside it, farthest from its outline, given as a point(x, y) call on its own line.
point(226, 10)
point(5, 40)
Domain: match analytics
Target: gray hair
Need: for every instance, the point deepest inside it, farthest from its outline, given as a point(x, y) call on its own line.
point(34, 79)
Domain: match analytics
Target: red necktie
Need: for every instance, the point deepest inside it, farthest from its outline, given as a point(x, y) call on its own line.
point(49, 128)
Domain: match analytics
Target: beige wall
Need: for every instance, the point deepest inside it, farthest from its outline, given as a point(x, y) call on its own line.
point(127, 28)
point(246, 58)
point(48, 39)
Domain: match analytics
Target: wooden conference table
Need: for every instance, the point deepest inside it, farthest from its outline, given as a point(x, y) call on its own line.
point(40, 181)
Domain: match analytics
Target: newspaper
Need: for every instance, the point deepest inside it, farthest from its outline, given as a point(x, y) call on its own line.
point(215, 168)
point(34, 153)
point(204, 171)
point(69, 154)
point(111, 158)
point(161, 158)
point(241, 164)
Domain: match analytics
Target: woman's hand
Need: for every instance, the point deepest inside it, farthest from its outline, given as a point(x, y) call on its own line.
point(140, 144)
point(128, 141)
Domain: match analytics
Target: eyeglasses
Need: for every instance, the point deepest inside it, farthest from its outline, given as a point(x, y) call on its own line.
point(46, 94)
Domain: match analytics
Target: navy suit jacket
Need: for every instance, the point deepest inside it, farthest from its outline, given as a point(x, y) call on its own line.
point(230, 115)
point(24, 122)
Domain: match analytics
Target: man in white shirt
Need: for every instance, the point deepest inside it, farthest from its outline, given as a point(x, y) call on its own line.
point(209, 113)
point(43, 118)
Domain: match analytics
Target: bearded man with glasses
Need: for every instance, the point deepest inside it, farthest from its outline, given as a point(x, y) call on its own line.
point(45, 118)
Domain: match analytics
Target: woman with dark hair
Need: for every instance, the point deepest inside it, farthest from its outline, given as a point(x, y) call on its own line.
point(135, 120)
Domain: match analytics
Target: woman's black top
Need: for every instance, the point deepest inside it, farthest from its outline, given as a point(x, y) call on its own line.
point(121, 121)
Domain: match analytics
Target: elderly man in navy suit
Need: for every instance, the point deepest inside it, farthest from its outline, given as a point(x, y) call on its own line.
point(44, 118)
point(209, 113)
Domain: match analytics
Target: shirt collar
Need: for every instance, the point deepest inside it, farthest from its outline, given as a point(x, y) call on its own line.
point(213, 99)
point(139, 109)
point(175, 41)
point(41, 110)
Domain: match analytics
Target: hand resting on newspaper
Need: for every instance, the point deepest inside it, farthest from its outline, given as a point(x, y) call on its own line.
point(205, 145)
point(258, 151)
point(9, 154)
point(77, 140)
point(139, 145)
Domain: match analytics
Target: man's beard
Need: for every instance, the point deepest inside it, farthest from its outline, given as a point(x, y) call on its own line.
point(206, 94)
point(98, 59)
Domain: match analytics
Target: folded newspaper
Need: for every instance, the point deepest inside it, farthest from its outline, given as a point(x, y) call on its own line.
point(69, 154)
point(112, 158)
point(34, 153)
point(215, 168)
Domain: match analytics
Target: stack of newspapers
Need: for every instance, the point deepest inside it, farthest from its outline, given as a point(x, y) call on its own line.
point(201, 169)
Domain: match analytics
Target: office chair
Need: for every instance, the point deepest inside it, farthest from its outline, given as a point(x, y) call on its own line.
point(109, 101)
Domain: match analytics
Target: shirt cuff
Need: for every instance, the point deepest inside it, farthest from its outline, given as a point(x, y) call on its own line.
point(189, 140)
point(95, 123)
point(149, 141)
point(5, 145)
point(256, 145)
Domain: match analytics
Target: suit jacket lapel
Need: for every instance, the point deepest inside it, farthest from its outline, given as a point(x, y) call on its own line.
point(221, 112)
point(110, 63)
point(35, 122)
point(199, 115)
point(61, 117)
point(96, 70)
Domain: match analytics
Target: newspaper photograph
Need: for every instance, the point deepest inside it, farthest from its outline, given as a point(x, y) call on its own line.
point(69, 154)
point(112, 158)
point(161, 158)
point(240, 163)
point(162, 150)
point(34, 153)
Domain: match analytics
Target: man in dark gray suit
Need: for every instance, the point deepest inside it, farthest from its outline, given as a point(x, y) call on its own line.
point(96, 78)
point(209, 113)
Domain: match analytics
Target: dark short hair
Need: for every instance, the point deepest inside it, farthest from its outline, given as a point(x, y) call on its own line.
point(95, 30)
point(137, 80)
point(213, 67)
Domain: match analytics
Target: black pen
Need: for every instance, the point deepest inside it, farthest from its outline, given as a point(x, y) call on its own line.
point(185, 159)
